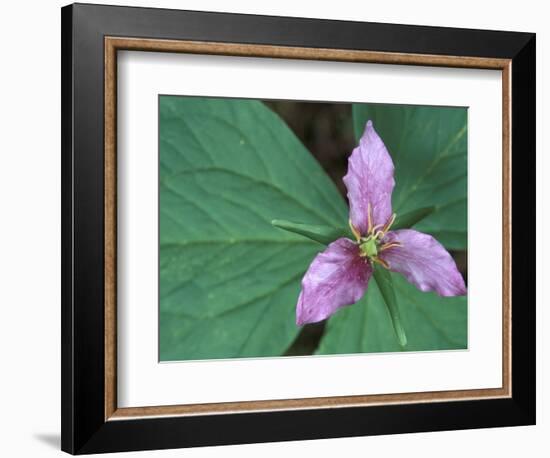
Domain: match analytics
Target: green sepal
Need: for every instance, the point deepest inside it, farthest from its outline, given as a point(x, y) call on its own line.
point(409, 219)
point(385, 285)
point(320, 234)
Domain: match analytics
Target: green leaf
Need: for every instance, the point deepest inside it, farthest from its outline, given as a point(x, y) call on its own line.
point(321, 234)
point(385, 286)
point(431, 322)
point(411, 218)
point(429, 149)
point(229, 280)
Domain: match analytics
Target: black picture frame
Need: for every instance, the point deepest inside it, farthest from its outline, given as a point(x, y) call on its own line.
point(84, 428)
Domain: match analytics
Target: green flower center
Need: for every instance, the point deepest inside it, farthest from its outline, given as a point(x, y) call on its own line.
point(369, 247)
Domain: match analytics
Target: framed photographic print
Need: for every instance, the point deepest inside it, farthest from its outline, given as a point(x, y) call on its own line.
point(281, 228)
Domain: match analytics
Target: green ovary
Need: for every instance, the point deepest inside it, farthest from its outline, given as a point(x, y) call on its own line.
point(369, 247)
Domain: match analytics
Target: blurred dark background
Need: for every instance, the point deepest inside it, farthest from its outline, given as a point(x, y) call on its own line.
point(325, 129)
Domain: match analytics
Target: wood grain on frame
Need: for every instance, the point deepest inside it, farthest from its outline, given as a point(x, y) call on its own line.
point(110, 199)
point(112, 45)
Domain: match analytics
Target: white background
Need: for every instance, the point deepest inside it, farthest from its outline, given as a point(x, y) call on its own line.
point(142, 381)
point(30, 229)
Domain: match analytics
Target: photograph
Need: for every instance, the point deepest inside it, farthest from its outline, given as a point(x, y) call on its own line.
point(283, 228)
point(260, 229)
point(305, 228)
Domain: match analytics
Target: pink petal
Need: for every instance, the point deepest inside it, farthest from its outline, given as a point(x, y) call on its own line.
point(336, 277)
point(424, 262)
point(369, 181)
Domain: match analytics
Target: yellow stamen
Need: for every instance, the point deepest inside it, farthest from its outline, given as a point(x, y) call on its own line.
point(369, 217)
point(389, 223)
point(354, 230)
point(389, 245)
point(381, 262)
point(378, 235)
point(375, 228)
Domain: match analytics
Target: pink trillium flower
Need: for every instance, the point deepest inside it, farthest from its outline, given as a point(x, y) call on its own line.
point(340, 275)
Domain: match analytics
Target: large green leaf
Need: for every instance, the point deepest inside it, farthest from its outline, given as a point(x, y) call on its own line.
point(229, 280)
point(431, 322)
point(429, 149)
